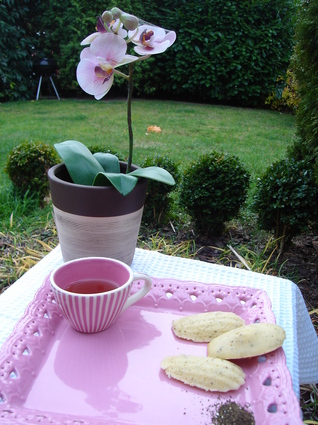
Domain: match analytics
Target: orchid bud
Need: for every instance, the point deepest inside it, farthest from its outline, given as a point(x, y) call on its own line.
point(100, 25)
point(116, 12)
point(130, 22)
point(107, 17)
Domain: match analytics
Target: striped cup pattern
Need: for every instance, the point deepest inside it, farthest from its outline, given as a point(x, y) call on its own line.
point(90, 313)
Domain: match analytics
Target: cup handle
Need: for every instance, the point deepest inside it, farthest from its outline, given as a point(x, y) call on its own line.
point(142, 292)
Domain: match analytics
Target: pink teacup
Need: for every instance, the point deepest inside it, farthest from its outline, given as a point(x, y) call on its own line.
point(92, 292)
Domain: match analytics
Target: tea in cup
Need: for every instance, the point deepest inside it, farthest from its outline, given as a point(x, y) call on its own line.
point(93, 291)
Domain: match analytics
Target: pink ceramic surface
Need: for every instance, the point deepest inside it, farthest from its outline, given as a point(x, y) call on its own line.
point(90, 313)
point(51, 374)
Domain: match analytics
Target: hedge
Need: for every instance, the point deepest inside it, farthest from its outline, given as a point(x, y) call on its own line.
point(226, 51)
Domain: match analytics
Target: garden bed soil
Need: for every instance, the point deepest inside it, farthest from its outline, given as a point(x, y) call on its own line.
point(299, 263)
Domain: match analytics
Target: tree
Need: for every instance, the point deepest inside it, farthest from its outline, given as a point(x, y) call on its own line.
point(305, 63)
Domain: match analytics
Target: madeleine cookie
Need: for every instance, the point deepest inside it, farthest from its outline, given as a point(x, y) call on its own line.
point(206, 373)
point(204, 327)
point(247, 341)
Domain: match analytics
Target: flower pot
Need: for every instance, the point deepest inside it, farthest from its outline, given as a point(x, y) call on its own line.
point(95, 220)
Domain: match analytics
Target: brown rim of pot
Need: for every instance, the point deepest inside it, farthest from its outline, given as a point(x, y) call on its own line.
point(93, 201)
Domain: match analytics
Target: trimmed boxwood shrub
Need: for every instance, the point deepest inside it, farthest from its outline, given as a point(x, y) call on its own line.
point(158, 203)
point(98, 148)
point(27, 167)
point(286, 199)
point(212, 191)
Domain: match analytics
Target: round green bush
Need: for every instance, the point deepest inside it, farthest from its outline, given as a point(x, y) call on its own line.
point(212, 191)
point(158, 203)
point(27, 166)
point(286, 199)
point(97, 148)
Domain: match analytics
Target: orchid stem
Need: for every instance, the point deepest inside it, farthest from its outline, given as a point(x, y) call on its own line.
point(121, 74)
point(129, 122)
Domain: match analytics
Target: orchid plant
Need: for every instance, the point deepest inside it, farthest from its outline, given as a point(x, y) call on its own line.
point(99, 62)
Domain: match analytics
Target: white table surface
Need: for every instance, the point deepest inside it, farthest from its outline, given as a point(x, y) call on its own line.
point(300, 346)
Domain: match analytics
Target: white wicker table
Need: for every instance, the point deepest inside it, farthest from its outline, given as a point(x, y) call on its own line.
point(300, 346)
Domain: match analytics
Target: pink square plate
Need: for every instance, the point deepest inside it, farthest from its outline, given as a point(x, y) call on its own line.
point(51, 374)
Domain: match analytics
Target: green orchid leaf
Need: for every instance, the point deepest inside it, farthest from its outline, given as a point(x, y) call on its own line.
point(124, 183)
point(154, 173)
point(79, 161)
point(108, 161)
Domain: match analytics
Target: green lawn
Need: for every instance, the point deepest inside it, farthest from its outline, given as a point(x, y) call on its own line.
point(257, 137)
